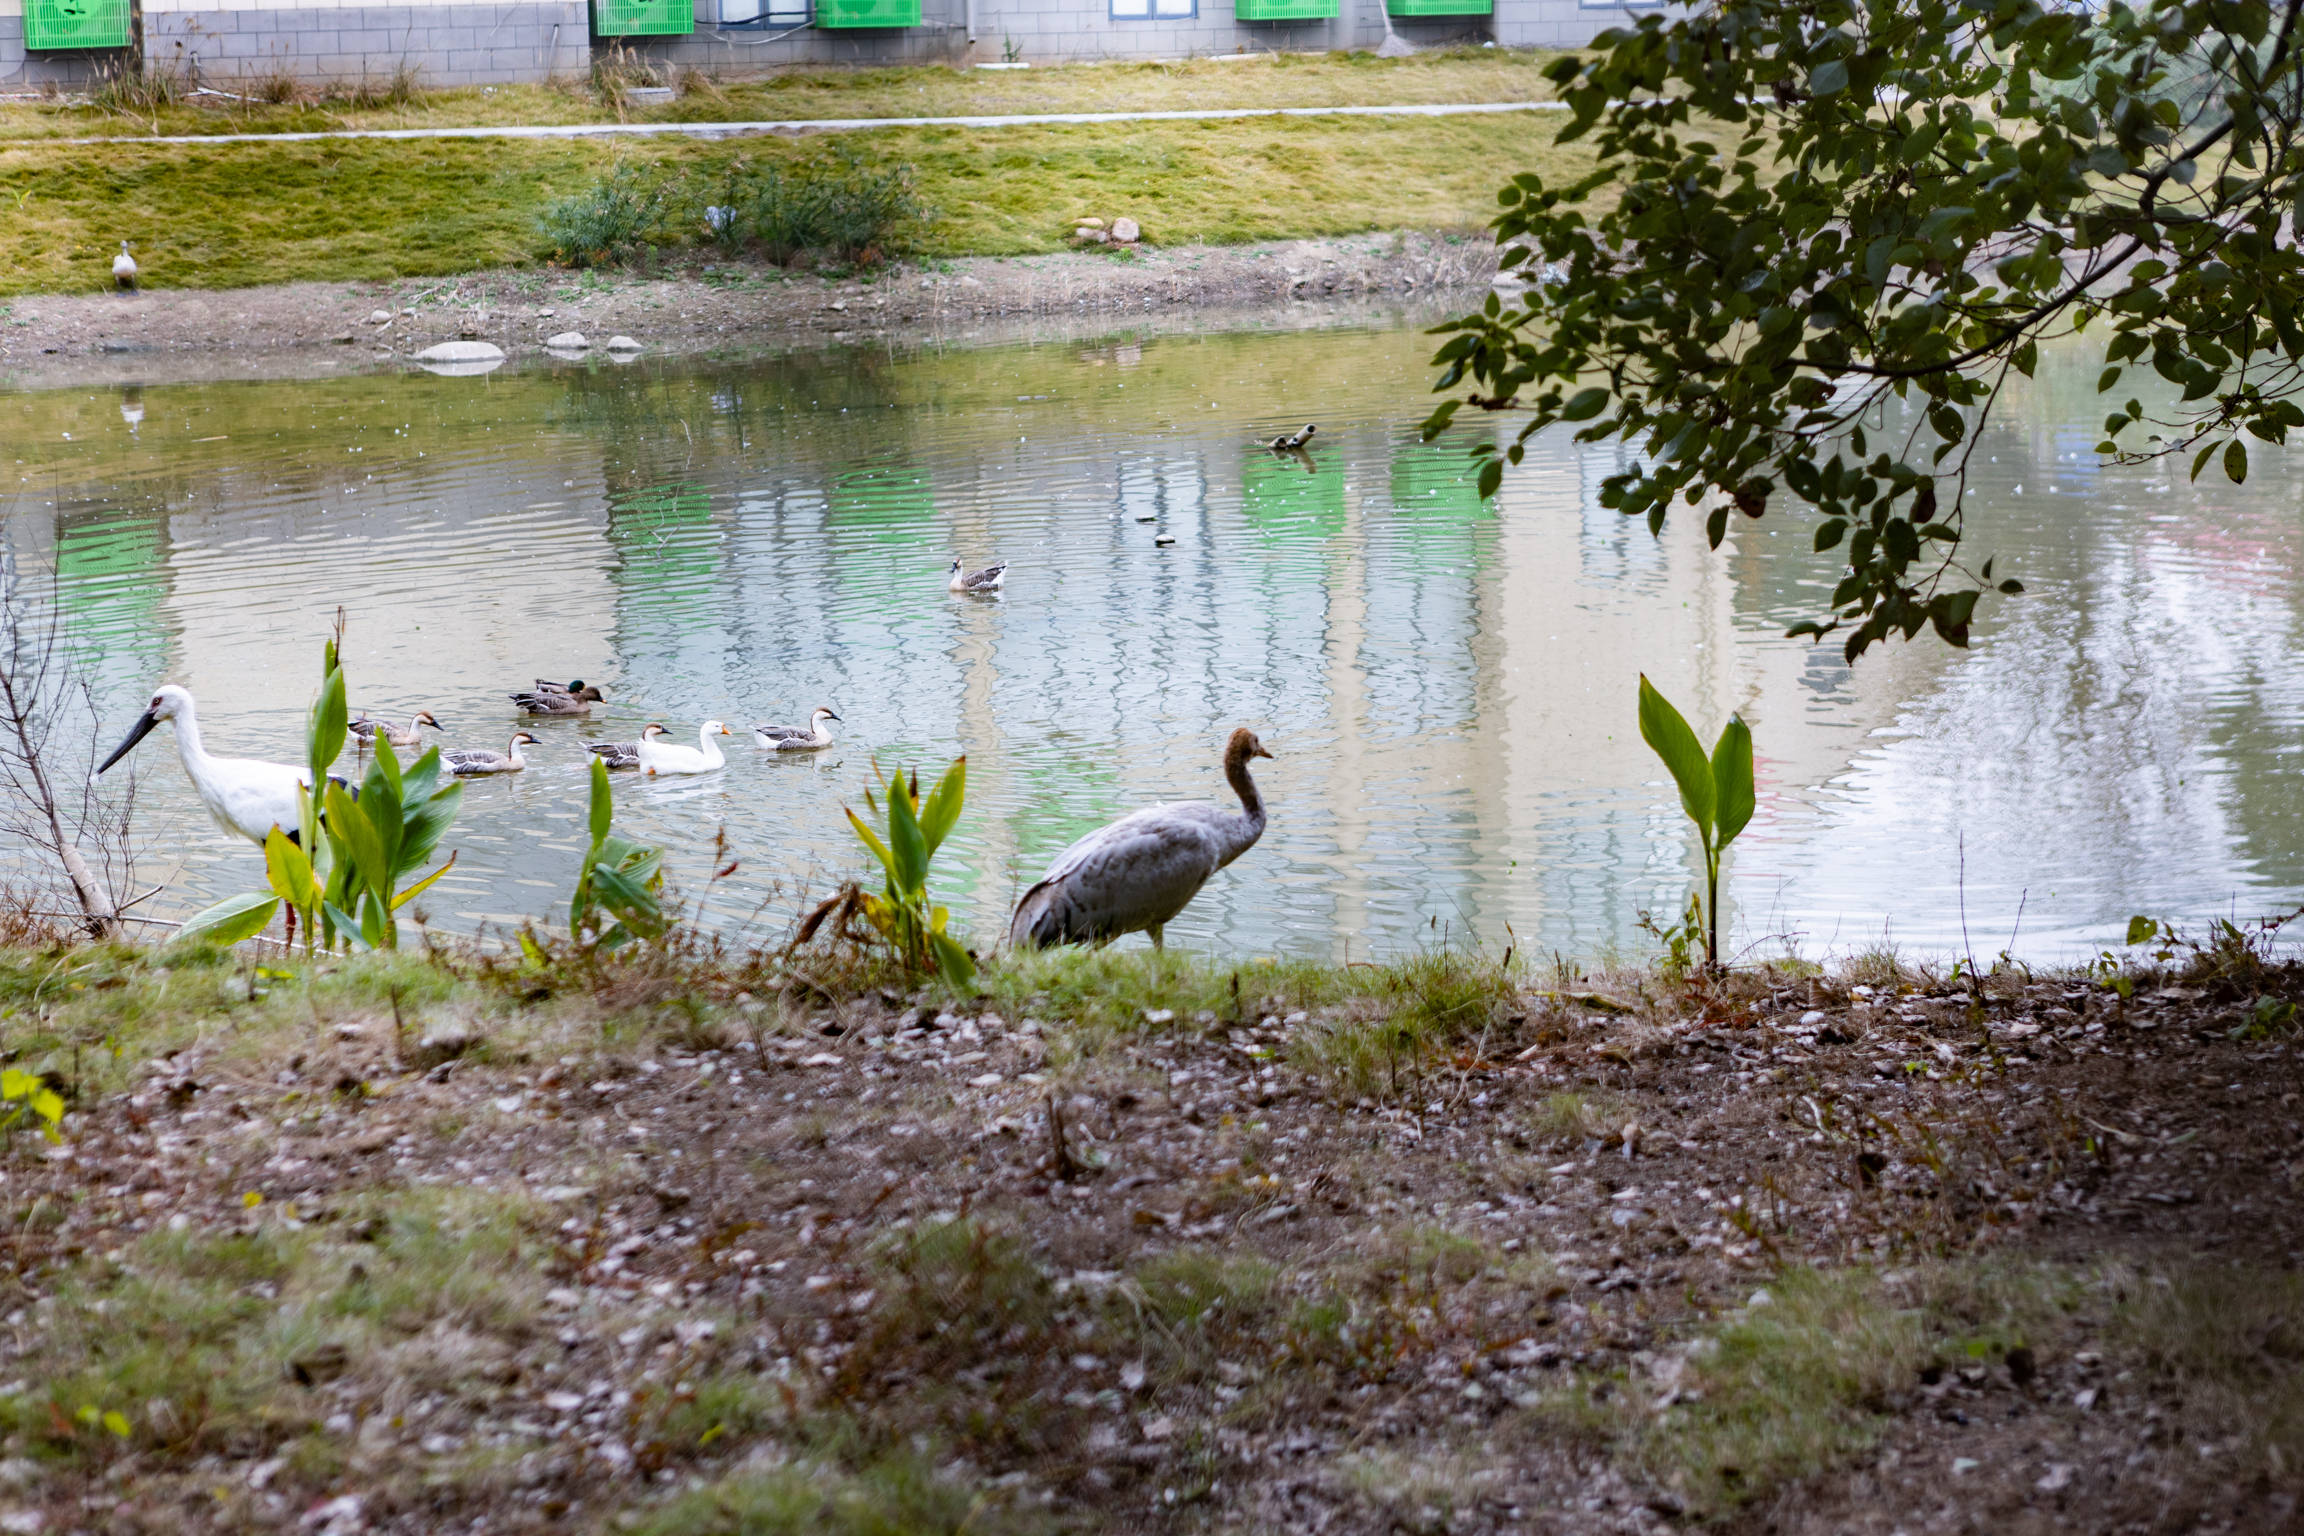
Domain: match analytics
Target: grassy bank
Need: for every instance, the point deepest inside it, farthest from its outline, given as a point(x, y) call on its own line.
point(236, 215)
point(699, 1244)
point(1289, 80)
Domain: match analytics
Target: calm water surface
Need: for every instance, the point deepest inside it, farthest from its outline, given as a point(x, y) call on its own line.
point(1449, 686)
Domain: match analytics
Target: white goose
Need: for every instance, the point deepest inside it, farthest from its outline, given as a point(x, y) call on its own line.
point(124, 270)
point(988, 579)
point(1145, 868)
point(245, 797)
point(468, 761)
point(786, 738)
point(658, 758)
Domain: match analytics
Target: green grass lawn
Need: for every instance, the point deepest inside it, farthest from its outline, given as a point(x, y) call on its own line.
point(231, 215)
point(1290, 80)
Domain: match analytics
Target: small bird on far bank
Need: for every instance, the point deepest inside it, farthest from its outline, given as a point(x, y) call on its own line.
point(124, 270)
point(989, 579)
point(1143, 869)
point(1294, 442)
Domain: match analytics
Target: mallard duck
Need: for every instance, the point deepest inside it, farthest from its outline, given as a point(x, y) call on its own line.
point(546, 685)
point(617, 754)
point(786, 738)
point(1290, 442)
point(659, 757)
point(124, 270)
point(578, 700)
point(985, 580)
point(468, 761)
point(368, 730)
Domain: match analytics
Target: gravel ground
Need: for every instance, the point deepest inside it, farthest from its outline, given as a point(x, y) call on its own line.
point(296, 328)
point(1485, 1286)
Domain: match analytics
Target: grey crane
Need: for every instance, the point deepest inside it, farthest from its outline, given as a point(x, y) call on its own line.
point(1145, 868)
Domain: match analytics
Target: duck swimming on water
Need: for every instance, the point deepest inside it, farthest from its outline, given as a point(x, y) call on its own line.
point(660, 757)
point(368, 730)
point(470, 761)
point(786, 738)
point(989, 579)
point(1143, 869)
point(577, 699)
point(617, 754)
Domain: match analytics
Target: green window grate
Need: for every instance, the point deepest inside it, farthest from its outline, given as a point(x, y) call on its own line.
point(867, 13)
point(642, 18)
point(1285, 10)
point(1441, 7)
point(75, 23)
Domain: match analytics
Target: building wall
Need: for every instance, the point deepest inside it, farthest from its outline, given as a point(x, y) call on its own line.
point(472, 42)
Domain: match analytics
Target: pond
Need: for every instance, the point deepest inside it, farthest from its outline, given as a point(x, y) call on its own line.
point(1448, 686)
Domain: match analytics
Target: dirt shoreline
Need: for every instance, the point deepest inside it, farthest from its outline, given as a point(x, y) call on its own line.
point(296, 328)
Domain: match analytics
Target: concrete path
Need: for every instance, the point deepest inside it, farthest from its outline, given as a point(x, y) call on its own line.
point(817, 124)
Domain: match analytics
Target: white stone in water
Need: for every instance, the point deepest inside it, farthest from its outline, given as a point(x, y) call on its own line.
point(622, 344)
point(569, 341)
point(462, 352)
point(1126, 232)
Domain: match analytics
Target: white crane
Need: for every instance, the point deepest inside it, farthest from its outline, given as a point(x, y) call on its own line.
point(245, 797)
point(1145, 868)
point(787, 738)
point(658, 758)
point(989, 579)
point(467, 761)
point(124, 270)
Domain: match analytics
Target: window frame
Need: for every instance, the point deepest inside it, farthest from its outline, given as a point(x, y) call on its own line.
point(1152, 11)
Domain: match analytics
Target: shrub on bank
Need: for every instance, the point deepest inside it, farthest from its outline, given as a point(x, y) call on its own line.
point(838, 210)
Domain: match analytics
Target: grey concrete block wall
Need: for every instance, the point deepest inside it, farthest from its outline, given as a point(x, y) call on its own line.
point(73, 69)
point(530, 40)
point(443, 44)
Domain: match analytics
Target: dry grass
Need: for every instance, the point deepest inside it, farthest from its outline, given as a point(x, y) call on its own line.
point(233, 215)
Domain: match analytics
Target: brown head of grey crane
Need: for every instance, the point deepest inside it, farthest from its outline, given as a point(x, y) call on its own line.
point(1143, 869)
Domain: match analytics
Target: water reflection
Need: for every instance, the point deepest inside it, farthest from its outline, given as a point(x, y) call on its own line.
point(1449, 683)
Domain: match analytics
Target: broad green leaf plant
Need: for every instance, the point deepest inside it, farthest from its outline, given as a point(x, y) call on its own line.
point(905, 843)
point(347, 888)
point(1715, 791)
point(1823, 236)
point(619, 887)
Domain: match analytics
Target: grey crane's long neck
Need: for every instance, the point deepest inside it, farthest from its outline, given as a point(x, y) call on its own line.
point(1251, 822)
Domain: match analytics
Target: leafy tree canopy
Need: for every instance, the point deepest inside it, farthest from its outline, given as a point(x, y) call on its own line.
point(1821, 235)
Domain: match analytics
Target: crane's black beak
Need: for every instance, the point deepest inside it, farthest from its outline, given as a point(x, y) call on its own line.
point(136, 733)
point(831, 716)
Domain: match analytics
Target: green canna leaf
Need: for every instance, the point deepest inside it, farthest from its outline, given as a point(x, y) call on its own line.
point(289, 872)
point(603, 801)
point(944, 804)
point(1732, 779)
point(421, 886)
point(232, 919)
point(1667, 734)
point(906, 843)
point(872, 841)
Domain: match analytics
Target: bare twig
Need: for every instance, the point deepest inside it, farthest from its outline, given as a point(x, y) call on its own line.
point(39, 693)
